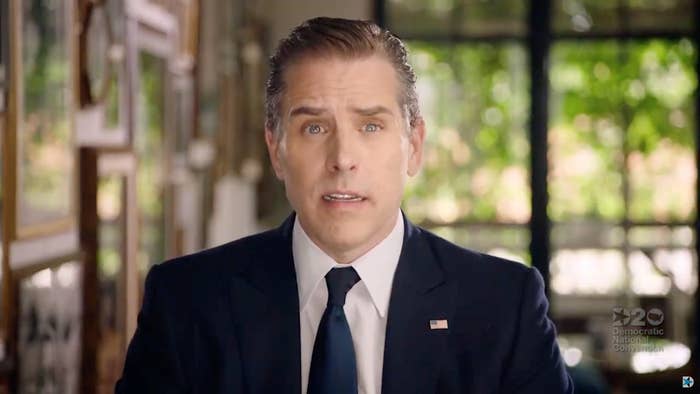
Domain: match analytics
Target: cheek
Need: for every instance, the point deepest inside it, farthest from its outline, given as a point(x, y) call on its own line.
point(301, 174)
point(403, 156)
point(393, 170)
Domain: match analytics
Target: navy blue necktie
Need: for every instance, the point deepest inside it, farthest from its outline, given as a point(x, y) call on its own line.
point(333, 369)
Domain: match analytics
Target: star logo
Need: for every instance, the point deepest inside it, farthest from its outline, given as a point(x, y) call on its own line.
point(687, 382)
point(621, 317)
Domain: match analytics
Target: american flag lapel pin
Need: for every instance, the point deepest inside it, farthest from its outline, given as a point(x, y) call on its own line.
point(438, 324)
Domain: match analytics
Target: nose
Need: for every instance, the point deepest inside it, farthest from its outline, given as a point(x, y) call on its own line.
point(342, 151)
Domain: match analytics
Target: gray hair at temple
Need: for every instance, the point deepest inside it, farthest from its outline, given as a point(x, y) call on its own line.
point(347, 39)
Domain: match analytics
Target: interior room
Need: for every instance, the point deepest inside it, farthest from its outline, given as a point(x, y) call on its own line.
point(560, 134)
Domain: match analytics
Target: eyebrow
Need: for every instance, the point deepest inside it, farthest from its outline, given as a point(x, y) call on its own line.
point(315, 111)
point(304, 110)
point(371, 111)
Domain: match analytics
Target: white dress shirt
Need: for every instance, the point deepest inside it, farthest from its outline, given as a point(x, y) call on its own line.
point(366, 305)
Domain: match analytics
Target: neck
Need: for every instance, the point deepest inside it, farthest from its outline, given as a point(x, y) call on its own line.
point(345, 253)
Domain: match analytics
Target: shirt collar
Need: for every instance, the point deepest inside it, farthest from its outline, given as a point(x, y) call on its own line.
point(376, 268)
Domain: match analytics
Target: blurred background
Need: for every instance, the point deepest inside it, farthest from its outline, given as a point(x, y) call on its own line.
point(562, 134)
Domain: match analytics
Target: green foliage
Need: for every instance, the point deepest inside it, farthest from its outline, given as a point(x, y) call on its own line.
point(45, 133)
point(474, 99)
point(616, 109)
point(150, 148)
point(620, 132)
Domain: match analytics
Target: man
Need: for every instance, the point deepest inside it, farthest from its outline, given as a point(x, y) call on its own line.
point(346, 296)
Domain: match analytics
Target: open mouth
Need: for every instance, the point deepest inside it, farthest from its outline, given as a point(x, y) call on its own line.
point(343, 197)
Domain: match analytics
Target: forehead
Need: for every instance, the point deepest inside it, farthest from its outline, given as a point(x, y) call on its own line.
point(336, 81)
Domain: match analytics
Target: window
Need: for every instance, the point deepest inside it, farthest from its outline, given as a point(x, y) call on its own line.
point(619, 155)
point(474, 185)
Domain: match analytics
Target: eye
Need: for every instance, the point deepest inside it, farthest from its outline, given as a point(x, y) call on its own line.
point(313, 128)
point(371, 127)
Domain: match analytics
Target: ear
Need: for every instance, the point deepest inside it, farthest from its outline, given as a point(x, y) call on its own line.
point(415, 147)
point(274, 151)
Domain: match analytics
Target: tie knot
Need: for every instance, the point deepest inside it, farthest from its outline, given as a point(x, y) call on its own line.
point(339, 282)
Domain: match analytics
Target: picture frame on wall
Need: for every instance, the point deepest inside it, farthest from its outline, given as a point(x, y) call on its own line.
point(40, 126)
point(49, 325)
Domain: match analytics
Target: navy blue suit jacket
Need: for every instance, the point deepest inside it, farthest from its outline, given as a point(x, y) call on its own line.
point(226, 320)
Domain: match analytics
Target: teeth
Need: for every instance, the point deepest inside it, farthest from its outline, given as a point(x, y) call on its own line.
point(343, 197)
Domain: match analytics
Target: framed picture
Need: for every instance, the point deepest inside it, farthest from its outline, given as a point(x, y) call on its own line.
point(49, 329)
point(40, 136)
point(101, 120)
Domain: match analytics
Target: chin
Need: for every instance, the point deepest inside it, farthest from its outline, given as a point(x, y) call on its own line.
point(344, 237)
point(343, 240)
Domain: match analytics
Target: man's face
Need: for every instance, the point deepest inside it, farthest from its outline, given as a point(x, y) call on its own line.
point(346, 152)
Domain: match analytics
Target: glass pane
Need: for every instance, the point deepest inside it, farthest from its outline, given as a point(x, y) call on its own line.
point(617, 16)
point(474, 100)
point(112, 102)
point(656, 236)
point(587, 234)
point(662, 257)
point(494, 17)
point(4, 30)
point(661, 14)
point(509, 242)
point(209, 68)
point(151, 156)
point(588, 271)
point(111, 204)
point(467, 17)
point(415, 17)
point(586, 131)
point(45, 156)
point(98, 43)
point(49, 330)
point(621, 149)
point(184, 110)
point(115, 93)
point(658, 87)
point(584, 15)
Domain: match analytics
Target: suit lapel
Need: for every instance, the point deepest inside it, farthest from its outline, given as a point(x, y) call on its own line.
point(265, 303)
point(413, 352)
point(265, 306)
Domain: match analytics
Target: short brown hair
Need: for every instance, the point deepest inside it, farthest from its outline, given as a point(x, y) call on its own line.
point(341, 37)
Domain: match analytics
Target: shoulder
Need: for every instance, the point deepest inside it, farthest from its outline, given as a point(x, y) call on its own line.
point(491, 282)
point(205, 271)
point(462, 262)
point(493, 291)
